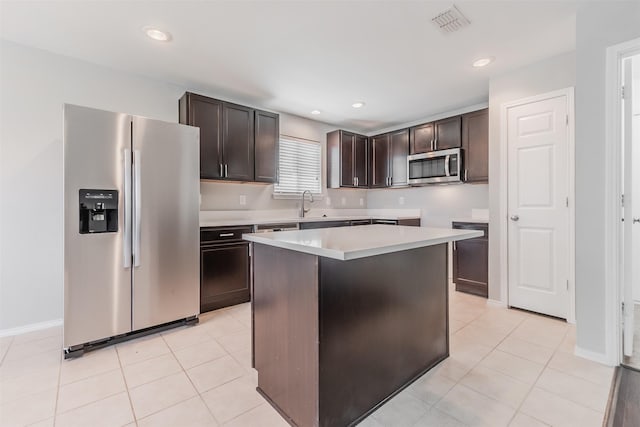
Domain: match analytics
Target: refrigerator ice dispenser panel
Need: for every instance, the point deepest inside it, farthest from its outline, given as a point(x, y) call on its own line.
point(98, 211)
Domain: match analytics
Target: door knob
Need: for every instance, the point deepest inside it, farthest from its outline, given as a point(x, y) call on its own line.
point(514, 217)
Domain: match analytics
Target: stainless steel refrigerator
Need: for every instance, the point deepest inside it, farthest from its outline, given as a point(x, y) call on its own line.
point(131, 231)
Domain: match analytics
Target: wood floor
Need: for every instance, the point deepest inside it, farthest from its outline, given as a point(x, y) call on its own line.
point(624, 409)
point(633, 361)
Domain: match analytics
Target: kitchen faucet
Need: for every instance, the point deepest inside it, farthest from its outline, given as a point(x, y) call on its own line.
point(302, 208)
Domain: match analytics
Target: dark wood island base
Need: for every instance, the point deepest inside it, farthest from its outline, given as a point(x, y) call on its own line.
point(334, 340)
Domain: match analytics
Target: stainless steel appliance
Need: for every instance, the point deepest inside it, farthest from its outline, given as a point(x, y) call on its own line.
point(131, 231)
point(443, 166)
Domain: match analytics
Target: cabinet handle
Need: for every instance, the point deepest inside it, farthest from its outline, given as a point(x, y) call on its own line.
point(226, 234)
point(435, 144)
point(353, 181)
point(278, 175)
point(357, 181)
point(432, 145)
point(465, 174)
point(454, 246)
point(226, 171)
point(221, 171)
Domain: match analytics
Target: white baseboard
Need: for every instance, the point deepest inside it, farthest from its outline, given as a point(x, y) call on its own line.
point(496, 303)
point(30, 328)
point(594, 356)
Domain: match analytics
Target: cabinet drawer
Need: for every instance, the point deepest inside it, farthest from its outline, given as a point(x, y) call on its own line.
point(223, 234)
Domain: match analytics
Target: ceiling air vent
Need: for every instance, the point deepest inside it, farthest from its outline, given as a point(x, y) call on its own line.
point(450, 20)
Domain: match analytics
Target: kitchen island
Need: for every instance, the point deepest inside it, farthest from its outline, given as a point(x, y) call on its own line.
point(344, 318)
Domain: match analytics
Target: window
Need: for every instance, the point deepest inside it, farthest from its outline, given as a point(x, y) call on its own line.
point(300, 166)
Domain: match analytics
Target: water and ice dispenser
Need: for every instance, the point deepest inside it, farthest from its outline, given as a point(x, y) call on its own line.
point(98, 211)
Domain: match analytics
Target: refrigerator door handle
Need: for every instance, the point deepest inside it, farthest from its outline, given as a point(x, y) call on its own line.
point(126, 238)
point(137, 207)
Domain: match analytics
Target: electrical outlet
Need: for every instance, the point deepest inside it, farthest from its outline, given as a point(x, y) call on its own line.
point(243, 200)
point(401, 200)
point(343, 201)
point(328, 201)
point(361, 201)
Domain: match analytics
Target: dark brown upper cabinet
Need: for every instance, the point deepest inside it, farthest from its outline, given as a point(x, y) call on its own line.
point(440, 135)
point(205, 113)
point(380, 165)
point(267, 134)
point(389, 159)
point(399, 143)
point(475, 142)
point(421, 138)
point(347, 160)
point(237, 143)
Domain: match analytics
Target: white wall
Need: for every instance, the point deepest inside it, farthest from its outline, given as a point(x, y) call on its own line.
point(598, 26)
point(544, 76)
point(33, 86)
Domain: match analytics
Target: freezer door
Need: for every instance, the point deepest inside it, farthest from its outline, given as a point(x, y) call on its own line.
point(97, 281)
point(166, 281)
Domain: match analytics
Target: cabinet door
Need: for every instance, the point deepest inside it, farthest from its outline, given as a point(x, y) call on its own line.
point(421, 138)
point(470, 266)
point(238, 142)
point(360, 161)
point(380, 161)
point(399, 143)
point(347, 174)
point(205, 113)
point(267, 137)
point(448, 133)
point(224, 275)
point(475, 142)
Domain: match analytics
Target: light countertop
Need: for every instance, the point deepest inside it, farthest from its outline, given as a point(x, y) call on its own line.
point(230, 218)
point(472, 220)
point(360, 241)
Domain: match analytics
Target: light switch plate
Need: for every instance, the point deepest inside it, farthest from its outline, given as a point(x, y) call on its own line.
point(243, 200)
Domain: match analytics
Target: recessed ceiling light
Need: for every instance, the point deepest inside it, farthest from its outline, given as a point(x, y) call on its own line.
point(156, 34)
point(314, 112)
point(483, 62)
point(358, 104)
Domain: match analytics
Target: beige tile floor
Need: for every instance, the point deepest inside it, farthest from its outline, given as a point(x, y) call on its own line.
point(507, 367)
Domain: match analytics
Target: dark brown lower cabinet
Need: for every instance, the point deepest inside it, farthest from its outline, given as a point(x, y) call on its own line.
point(471, 261)
point(224, 267)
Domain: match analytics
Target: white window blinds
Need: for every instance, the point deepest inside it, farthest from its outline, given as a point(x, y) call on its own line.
point(300, 166)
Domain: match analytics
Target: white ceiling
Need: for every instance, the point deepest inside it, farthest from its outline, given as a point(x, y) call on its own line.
point(298, 56)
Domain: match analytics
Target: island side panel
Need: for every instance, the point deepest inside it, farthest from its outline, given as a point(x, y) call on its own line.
point(285, 333)
point(383, 323)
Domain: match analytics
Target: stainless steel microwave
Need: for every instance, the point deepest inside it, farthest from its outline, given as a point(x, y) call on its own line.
point(444, 166)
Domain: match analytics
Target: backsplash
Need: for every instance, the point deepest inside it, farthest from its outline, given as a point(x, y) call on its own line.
point(237, 196)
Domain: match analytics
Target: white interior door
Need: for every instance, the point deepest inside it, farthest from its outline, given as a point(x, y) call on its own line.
point(538, 185)
point(635, 174)
point(629, 225)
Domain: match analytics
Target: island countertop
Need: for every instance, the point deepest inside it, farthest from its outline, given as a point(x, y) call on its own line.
point(346, 243)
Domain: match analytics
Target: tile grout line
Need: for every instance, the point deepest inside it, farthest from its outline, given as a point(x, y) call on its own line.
point(55, 407)
point(191, 382)
point(126, 386)
point(459, 382)
point(546, 365)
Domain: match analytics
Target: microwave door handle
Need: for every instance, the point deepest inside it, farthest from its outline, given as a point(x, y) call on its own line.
point(446, 165)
